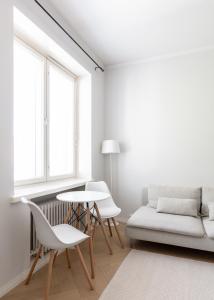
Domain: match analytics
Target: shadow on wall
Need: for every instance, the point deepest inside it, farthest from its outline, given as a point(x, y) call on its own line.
point(124, 147)
point(145, 196)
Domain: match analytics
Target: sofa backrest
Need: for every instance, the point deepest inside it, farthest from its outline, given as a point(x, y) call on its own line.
point(207, 197)
point(156, 191)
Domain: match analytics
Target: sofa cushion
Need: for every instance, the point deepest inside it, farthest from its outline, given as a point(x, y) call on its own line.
point(209, 227)
point(207, 197)
point(147, 217)
point(156, 191)
point(177, 206)
point(211, 211)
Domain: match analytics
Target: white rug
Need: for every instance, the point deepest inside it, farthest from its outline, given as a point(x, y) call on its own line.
point(153, 276)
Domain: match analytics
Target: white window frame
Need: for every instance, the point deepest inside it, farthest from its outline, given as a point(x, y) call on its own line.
point(47, 62)
point(52, 62)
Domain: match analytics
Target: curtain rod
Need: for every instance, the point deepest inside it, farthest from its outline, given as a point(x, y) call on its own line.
point(68, 34)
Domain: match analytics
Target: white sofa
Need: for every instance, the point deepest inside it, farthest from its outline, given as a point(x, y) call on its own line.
point(186, 231)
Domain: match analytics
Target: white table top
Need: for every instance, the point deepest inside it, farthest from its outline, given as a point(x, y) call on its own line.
point(82, 196)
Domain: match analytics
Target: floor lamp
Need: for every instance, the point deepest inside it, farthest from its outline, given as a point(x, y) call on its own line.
point(110, 147)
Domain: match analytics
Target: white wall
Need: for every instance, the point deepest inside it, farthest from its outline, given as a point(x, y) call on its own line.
point(162, 112)
point(14, 218)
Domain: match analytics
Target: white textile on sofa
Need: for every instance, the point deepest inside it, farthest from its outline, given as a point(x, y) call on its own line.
point(178, 206)
point(147, 217)
point(207, 197)
point(155, 192)
point(209, 227)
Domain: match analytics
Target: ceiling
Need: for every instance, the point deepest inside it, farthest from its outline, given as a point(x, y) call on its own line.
point(121, 31)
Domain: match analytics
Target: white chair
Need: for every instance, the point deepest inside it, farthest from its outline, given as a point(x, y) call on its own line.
point(107, 208)
point(56, 238)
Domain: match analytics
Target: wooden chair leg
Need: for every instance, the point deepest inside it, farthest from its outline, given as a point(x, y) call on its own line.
point(68, 258)
point(102, 228)
point(50, 268)
point(84, 267)
point(33, 266)
point(55, 256)
point(78, 215)
point(109, 227)
point(118, 234)
point(91, 253)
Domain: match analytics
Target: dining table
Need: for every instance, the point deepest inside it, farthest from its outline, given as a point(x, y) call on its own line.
point(83, 209)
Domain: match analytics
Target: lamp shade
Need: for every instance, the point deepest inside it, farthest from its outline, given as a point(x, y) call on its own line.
point(110, 146)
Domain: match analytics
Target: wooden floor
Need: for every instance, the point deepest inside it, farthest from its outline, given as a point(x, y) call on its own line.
point(71, 283)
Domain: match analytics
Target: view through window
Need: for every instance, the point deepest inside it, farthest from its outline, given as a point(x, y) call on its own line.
point(44, 117)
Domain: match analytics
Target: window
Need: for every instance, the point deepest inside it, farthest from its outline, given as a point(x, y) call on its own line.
point(44, 118)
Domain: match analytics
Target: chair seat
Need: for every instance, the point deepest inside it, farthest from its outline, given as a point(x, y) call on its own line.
point(68, 235)
point(109, 212)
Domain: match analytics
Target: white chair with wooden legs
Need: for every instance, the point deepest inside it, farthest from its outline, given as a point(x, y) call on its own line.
point(107, 208)
point(56, 238)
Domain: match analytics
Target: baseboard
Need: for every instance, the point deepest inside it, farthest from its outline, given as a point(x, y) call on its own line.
point(21, 277)
point(12, 283)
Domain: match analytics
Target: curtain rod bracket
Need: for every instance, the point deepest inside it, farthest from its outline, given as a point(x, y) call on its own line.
point(68, 34)
point(99, 68)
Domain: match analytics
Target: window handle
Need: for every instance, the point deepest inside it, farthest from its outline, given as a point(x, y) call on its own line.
point(46, 121)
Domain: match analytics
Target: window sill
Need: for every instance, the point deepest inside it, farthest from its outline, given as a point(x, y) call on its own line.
point(42, 189)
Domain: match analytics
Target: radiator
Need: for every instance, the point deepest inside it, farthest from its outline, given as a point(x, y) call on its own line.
point(55, 211)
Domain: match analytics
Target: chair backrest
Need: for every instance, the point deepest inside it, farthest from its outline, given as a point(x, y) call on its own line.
point(101, 186)
point(44, 231)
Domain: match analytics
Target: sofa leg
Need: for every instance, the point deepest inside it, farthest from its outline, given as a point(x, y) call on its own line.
point(131, 243)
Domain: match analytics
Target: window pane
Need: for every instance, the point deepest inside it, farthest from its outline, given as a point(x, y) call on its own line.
point(28, 114)
point(61, 122)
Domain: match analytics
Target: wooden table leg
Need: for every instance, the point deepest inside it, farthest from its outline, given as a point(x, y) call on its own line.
point(86, 228)
point(91, 250)
point(68, 215)
point(78, 216)
point(102, 227)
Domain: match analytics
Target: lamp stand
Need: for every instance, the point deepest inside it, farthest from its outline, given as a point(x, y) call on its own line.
point(111, 181)
point(111, 188)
